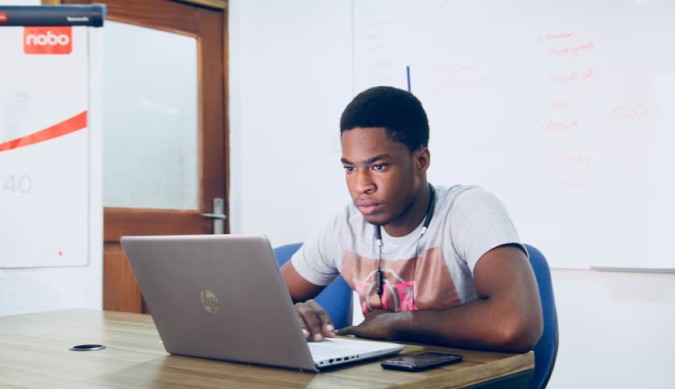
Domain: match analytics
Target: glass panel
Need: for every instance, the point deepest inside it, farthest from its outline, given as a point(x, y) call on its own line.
point(150, 126)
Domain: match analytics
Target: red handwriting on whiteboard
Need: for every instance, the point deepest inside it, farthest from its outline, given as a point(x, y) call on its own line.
point(572, 51)
point(382, 65)
point(561, 126)
point(446, 68)
point(567, 181)
point(577, 160)
point(636, 111)
point(465, 83)
point(577, 76)
point(460, 76)
point(559, 104)
point(553, 37)
point(553, 104)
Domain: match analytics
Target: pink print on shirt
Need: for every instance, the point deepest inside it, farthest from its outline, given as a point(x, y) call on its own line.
point(409, 284)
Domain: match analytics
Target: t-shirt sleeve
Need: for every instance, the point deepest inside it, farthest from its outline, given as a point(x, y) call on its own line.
point(315, 261)
point(479, 223)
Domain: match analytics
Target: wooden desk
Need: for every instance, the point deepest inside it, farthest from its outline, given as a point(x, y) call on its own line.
point(34, 353)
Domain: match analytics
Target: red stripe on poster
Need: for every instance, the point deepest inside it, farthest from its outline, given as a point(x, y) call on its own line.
point(67, 126)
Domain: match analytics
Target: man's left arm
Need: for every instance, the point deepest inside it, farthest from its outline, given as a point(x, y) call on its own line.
point(506, 316)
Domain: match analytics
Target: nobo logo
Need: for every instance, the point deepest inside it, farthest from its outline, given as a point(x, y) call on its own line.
point(209, 301)
point(47, 40)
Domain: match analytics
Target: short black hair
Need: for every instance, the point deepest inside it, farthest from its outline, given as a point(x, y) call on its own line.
point(398, 111)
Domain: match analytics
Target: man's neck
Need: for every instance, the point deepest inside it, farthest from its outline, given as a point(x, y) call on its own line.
point(411, 218)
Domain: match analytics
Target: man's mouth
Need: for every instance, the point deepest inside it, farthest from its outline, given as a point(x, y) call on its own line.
point(368, 207)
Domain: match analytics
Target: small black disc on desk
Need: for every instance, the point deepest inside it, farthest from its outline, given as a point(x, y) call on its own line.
point(87, 347)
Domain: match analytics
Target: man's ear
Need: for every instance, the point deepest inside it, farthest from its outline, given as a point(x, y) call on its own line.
point(422, 159)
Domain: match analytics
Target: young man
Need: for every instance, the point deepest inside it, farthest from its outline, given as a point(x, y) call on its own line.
point(430, 264)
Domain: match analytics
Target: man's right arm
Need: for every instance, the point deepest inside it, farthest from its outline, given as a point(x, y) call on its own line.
point(315, 321)
point(300, 289)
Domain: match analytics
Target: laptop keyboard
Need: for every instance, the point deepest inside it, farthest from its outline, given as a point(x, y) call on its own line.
point(338, 347)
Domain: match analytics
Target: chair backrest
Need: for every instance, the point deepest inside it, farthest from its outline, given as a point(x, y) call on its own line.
point(546, 350)
point(336, 298)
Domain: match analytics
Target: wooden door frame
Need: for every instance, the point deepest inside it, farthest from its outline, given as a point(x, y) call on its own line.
point(221, 5)
point(128, 298)
point(157, 218)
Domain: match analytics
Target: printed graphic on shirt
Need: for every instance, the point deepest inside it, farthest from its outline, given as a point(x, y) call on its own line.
point(409, 284)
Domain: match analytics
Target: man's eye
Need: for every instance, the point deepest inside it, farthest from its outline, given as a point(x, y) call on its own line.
point(349, 169)
point(379, 167)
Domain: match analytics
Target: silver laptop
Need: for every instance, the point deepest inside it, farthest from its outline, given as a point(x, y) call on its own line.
point(223, 297)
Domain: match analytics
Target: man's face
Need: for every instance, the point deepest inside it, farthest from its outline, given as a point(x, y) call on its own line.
point(382, 175)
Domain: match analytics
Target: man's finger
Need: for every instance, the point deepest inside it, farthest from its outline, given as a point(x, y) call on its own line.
point(327, 326)
point(351, 330)
point(315, 321)
point(312, 320)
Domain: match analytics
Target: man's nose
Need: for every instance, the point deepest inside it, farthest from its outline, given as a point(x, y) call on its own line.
point(364, 181)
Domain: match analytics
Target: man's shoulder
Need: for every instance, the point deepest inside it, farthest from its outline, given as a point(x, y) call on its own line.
point(447, 196)
point(465, 199)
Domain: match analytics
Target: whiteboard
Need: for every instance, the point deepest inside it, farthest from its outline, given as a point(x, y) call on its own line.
point(564, 110)
point(45, 163)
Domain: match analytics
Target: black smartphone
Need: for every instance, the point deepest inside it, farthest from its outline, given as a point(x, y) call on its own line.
point(423, 361)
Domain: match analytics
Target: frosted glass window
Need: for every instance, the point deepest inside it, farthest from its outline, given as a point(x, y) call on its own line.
point(150, 126)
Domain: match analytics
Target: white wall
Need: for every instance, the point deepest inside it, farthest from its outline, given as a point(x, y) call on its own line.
point(616, 329)
point(291, 76)
point(290, 79)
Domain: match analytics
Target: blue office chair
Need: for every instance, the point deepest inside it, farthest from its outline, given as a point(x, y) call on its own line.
point(546, 350)
point(336, 298)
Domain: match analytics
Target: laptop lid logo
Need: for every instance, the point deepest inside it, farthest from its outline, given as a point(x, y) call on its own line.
point(209, 301)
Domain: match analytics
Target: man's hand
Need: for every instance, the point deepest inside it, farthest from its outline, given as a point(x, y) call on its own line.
point(376, 325)
point(314, 320)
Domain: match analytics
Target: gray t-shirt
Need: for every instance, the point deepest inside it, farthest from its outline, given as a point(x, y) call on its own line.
point(430, 271)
